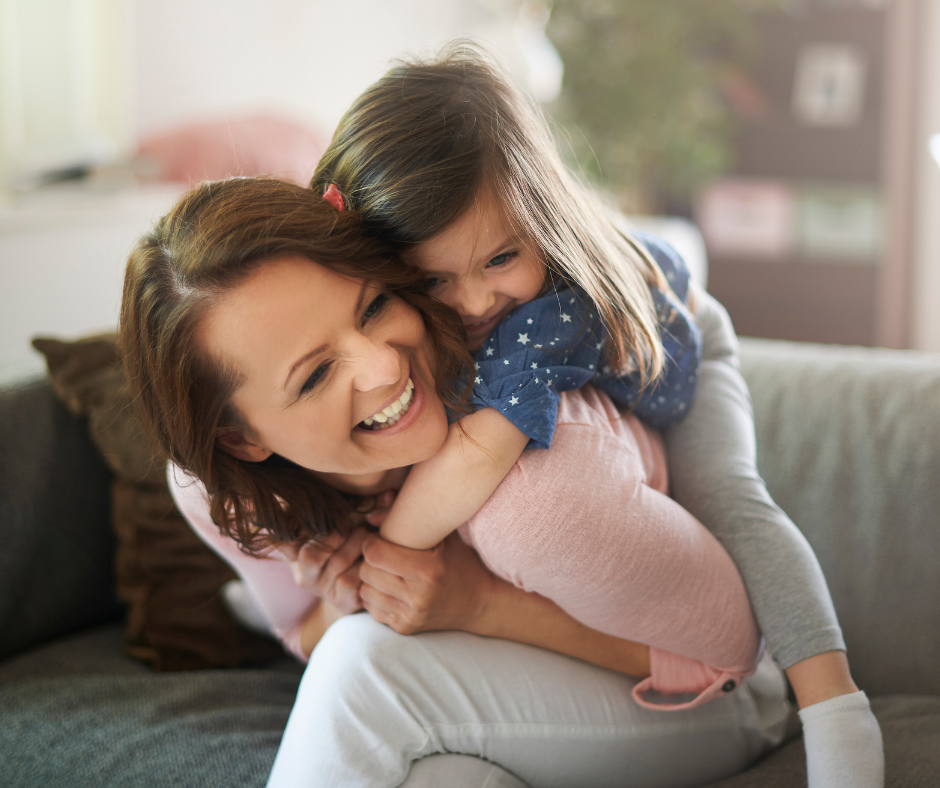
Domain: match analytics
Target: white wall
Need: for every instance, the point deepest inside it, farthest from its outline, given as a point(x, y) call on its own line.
point(311, 58)
point(925, 328)
point(62, 252)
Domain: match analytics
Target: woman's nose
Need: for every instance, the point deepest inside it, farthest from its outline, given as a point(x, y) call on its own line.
point(378, 364)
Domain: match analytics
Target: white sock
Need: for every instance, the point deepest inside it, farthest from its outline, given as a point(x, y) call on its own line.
point(843, 743)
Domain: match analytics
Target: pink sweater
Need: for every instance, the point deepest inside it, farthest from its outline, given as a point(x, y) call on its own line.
point(589, 525)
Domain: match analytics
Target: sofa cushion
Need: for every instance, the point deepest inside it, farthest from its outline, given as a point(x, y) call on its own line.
point(910, 727)
point(56, 560)
point(849, 443)
point(176, 619)
point(78, 713)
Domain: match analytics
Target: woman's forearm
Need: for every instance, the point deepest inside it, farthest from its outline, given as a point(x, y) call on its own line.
point(513, 614)
point(448, 587)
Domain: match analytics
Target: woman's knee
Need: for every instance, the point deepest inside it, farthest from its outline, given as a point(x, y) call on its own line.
point(359, 656)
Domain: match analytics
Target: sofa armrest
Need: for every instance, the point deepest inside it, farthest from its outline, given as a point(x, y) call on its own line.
point(57, 556)
point(849, 444)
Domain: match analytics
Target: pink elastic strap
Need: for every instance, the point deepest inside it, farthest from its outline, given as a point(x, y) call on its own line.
point(334, 198)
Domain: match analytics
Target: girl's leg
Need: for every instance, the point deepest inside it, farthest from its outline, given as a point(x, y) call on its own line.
point(372, 702)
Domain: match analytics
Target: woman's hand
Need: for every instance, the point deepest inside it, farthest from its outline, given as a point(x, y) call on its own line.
point(446, 587)
point(330, 568)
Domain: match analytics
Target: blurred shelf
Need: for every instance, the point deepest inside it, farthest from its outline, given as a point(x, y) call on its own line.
point(815, 302)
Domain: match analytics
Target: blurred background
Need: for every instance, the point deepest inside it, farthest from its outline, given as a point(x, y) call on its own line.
point(796, 138)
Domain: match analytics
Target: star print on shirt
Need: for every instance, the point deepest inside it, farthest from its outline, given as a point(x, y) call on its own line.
point(476, 365)
point(581, 344)
point(478, 379)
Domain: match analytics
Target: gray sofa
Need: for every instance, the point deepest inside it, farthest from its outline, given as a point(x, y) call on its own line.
point(849, 444)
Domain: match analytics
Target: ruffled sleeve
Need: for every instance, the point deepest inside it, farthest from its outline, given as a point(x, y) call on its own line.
point(545, 346)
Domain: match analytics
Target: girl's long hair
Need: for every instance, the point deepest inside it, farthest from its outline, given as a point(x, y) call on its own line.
point(414, 151)
point(212, 240)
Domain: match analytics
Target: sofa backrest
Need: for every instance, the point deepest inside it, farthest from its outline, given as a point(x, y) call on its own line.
point(56, 544)
point(849, 444)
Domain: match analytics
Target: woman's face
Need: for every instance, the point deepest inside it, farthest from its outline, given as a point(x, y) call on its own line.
point(480, 268)
point(321, 356)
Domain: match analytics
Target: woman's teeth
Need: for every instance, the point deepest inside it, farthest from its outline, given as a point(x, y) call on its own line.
point(387, 417)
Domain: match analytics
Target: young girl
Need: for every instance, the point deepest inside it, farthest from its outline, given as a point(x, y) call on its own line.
point(422, 150)
point(539, 345)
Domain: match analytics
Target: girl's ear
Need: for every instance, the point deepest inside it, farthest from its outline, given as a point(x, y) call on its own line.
point(241, 448)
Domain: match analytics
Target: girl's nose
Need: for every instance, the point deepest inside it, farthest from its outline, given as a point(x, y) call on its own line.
point(377, 364)
point(473, 299)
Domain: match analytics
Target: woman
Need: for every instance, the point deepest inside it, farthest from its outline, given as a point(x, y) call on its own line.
point(222, 305)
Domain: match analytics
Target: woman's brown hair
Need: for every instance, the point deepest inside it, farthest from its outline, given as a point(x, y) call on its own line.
point(212, 240)
point(414, 151)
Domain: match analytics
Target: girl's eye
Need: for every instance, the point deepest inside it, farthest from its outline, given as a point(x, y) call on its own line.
point(311, 382)
point(375, 307)
point(431, 282)
point(500, 259)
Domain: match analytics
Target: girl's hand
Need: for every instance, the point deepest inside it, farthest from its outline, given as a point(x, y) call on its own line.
point(330, 567)
point(446, 587)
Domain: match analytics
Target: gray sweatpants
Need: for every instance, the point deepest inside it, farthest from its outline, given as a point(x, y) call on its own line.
point(713, 473)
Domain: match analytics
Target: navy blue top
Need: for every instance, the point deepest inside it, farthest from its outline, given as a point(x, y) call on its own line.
point(556, 343)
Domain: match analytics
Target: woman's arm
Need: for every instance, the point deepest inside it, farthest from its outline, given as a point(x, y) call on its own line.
point(448, 587)
point(270, 581)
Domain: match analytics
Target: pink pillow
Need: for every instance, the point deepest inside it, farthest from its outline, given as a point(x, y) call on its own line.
point(258, 145)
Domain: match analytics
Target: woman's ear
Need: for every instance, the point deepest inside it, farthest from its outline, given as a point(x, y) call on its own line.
point(241, 448)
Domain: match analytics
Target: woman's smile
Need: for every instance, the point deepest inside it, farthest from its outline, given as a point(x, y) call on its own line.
point(391, 414)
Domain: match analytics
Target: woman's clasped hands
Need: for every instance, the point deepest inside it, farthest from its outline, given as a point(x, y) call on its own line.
point(444, 587)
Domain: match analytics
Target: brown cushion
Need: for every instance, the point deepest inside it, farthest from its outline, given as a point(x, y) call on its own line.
point(168, 577)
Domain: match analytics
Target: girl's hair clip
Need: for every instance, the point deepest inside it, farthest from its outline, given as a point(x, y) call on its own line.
point(334, 198)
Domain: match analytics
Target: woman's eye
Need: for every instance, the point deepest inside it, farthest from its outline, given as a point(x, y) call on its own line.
point(500, 259)
point(311, 382)
point(375, 307)
point(431, 282)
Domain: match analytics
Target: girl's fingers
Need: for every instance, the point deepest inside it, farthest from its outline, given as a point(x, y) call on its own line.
point(346, 590)
point(309, 558)
point(383, 503)
point(324, 576)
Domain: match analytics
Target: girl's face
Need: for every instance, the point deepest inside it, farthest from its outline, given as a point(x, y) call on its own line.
point(480, 268)
point(320, 355)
